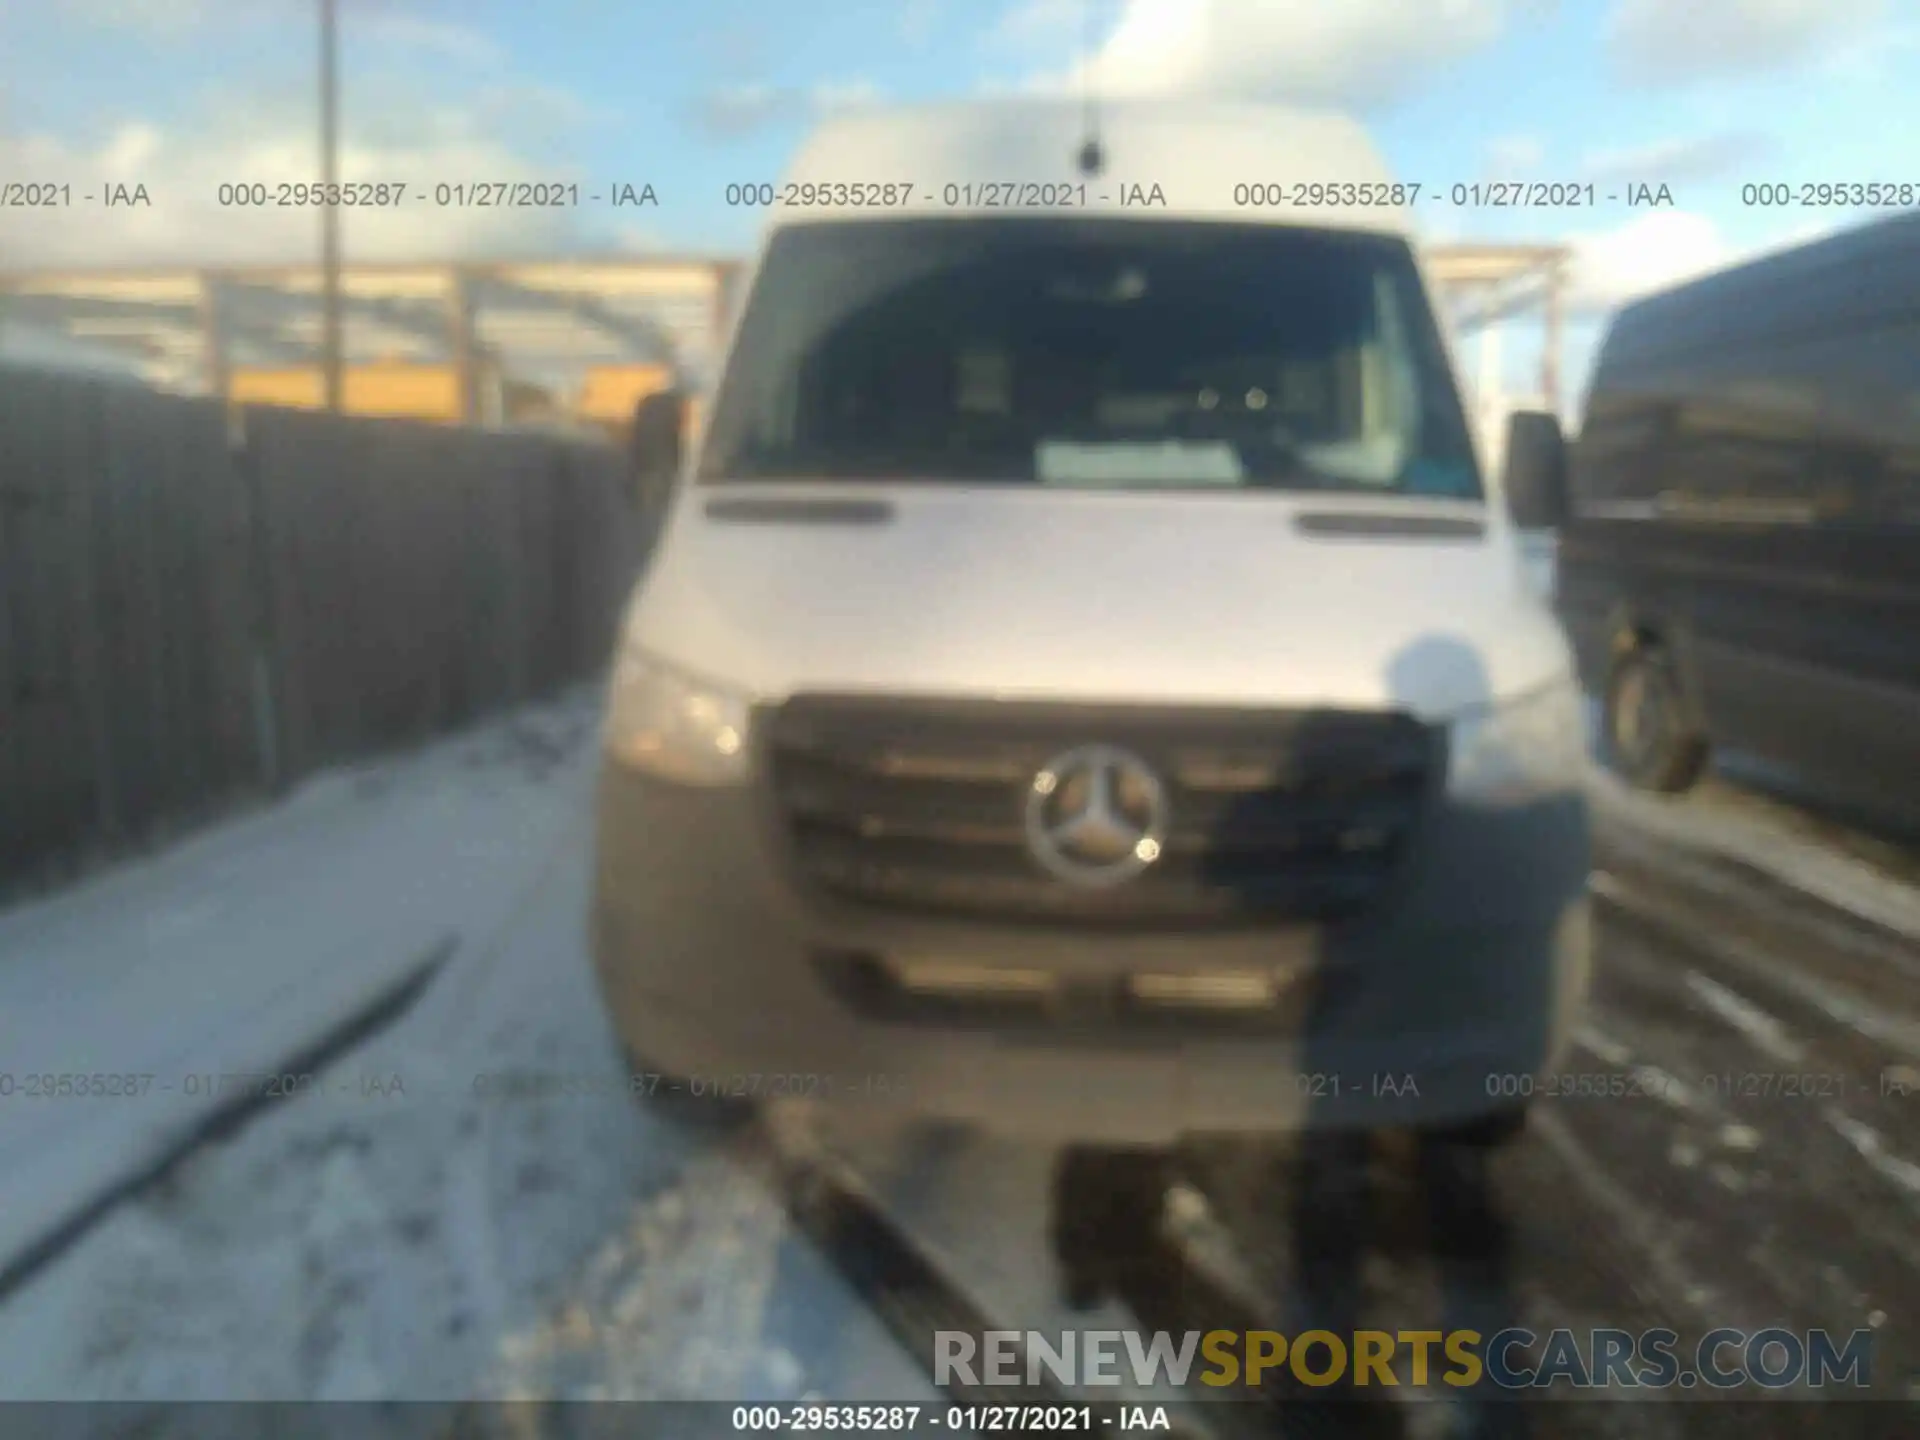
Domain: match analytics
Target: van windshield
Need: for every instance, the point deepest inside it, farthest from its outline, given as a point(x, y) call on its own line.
point(1103, 354)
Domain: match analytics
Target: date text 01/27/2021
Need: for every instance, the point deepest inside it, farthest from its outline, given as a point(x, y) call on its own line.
point(883, 1087)
point(877, 1086)
point(1257, 195)
point(954, 1419)
point(970, 195)
point(544, 1085)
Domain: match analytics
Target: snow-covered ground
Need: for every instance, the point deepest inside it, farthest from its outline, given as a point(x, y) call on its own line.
point(1776, 840)
point(1539, 556)
point(392, 1234)
point(1855, 874)
point(395, 1235)
point(232, 952)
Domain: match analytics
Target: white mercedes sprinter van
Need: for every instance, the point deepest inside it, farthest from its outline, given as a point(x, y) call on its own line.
point(1085, 683)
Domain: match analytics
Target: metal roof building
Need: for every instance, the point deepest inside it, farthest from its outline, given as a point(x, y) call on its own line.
point(552, 321)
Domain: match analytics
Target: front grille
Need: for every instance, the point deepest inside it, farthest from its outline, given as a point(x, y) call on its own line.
point(1272, 816)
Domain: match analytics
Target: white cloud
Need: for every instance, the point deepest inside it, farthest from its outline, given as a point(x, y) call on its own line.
point(1673, 41)
point(185, 224)
point(387, 29)
point(1356, 52)
point(917, 19)
point(131, 150)
point(162, 17)
point(531, 112)
point(847, 95)
point(641, 237)
point(398, 22)
point(1662, 248)
point(425, 100)
point(1874, 57)
point(1512, 156)
point(1647, 253)
point(739, 109)
point(731, 111)
point(1039, 24)
point(1692, 157)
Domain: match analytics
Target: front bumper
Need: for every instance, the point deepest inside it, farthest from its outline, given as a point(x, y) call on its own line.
point(720, 970)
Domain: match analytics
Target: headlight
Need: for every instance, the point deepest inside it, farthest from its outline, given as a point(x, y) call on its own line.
point(668, 723)
point(1521, 750)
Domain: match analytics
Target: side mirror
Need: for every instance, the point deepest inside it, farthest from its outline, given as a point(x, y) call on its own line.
point(655, 446)
point(1536, 470)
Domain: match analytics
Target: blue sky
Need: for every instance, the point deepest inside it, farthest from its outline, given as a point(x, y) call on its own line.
point(1702, 95)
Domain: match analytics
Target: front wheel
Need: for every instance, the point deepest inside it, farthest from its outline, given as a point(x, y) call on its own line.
point(1652, 738)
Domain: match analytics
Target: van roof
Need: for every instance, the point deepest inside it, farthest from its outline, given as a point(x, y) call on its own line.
point(1195, 154)
point(1863, 274)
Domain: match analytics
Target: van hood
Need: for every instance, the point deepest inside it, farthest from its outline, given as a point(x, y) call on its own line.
point(1206, 599)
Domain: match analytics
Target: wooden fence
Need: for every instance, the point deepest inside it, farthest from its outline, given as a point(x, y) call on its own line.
point(195, 609)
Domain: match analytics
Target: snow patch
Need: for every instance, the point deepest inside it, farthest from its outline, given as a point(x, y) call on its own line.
point(1752, 836)
point(1603, 1047)
point(1769, 1034)
point(1871, 1147)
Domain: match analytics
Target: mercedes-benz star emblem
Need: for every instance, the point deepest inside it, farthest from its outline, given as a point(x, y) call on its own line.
point(1096, 816)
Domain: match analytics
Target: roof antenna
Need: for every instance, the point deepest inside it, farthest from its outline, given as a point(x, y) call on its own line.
point(1092, 158)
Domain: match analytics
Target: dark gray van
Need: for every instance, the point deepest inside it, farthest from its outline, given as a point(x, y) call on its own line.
point(1739, 564)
